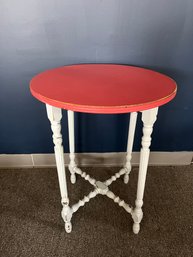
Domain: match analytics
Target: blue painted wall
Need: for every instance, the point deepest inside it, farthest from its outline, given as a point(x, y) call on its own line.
point(38, 35)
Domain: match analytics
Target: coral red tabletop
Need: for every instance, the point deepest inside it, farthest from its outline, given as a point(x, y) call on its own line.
point(103, 88)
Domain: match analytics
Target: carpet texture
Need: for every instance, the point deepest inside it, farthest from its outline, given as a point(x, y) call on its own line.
point(31, 225)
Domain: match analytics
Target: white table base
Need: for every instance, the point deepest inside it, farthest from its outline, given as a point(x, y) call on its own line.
point(148, 118)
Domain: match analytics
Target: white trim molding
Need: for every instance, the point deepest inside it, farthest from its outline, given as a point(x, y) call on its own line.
point(93, 159)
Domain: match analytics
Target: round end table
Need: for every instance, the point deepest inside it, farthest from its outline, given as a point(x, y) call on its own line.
point(105, 89)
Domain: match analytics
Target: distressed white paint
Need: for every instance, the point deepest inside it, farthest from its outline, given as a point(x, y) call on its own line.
point(55, 116)
point(148, 118)
point(72, 163)
point(85, 200)
point(100, 187)
point(92, 181)
point(117, 175)
point(131, 133)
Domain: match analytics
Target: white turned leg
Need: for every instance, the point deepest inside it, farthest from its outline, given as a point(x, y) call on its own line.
point(72, 164)
point(148, 118)
point(55, 116)
point(131, 133)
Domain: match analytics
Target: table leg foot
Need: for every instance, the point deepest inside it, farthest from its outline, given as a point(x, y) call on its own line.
point(126, 178)
point(136, 228)
point(73, 178)
point(72, 172)
point(68, 227)
point(67, 215)
point(137, 216)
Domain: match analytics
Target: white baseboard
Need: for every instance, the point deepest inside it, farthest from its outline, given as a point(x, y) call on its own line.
point(93, 159)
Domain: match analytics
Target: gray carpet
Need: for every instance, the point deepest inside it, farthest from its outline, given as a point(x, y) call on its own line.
point(30, 222)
